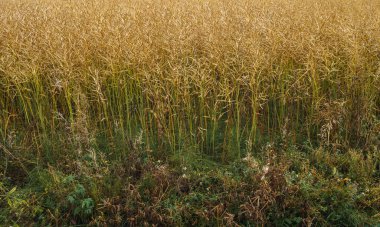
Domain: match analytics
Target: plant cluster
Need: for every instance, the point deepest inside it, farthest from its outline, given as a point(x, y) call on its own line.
point(319, 188)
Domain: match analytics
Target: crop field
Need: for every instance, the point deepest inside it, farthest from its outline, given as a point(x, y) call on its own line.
point(196, 112)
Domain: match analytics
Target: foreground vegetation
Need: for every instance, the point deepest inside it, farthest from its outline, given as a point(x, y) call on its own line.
point(281, 187)
point(190, 112)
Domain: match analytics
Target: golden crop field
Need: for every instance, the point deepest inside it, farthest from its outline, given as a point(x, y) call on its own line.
point(121, 103)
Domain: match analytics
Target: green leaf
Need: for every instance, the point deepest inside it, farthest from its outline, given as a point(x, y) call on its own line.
point(71, 199)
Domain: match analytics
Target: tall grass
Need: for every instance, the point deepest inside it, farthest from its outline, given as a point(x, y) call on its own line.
point(212, 76)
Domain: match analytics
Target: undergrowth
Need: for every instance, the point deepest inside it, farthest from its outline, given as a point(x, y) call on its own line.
point(297, 186)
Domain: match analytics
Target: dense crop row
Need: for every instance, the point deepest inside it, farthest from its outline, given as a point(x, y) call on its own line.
point(209, 74)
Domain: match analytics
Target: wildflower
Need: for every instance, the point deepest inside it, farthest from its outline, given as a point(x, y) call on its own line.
point(265, 171)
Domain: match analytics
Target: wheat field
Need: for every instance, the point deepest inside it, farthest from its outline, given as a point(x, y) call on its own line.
point(210, 77)
point(208, 72)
